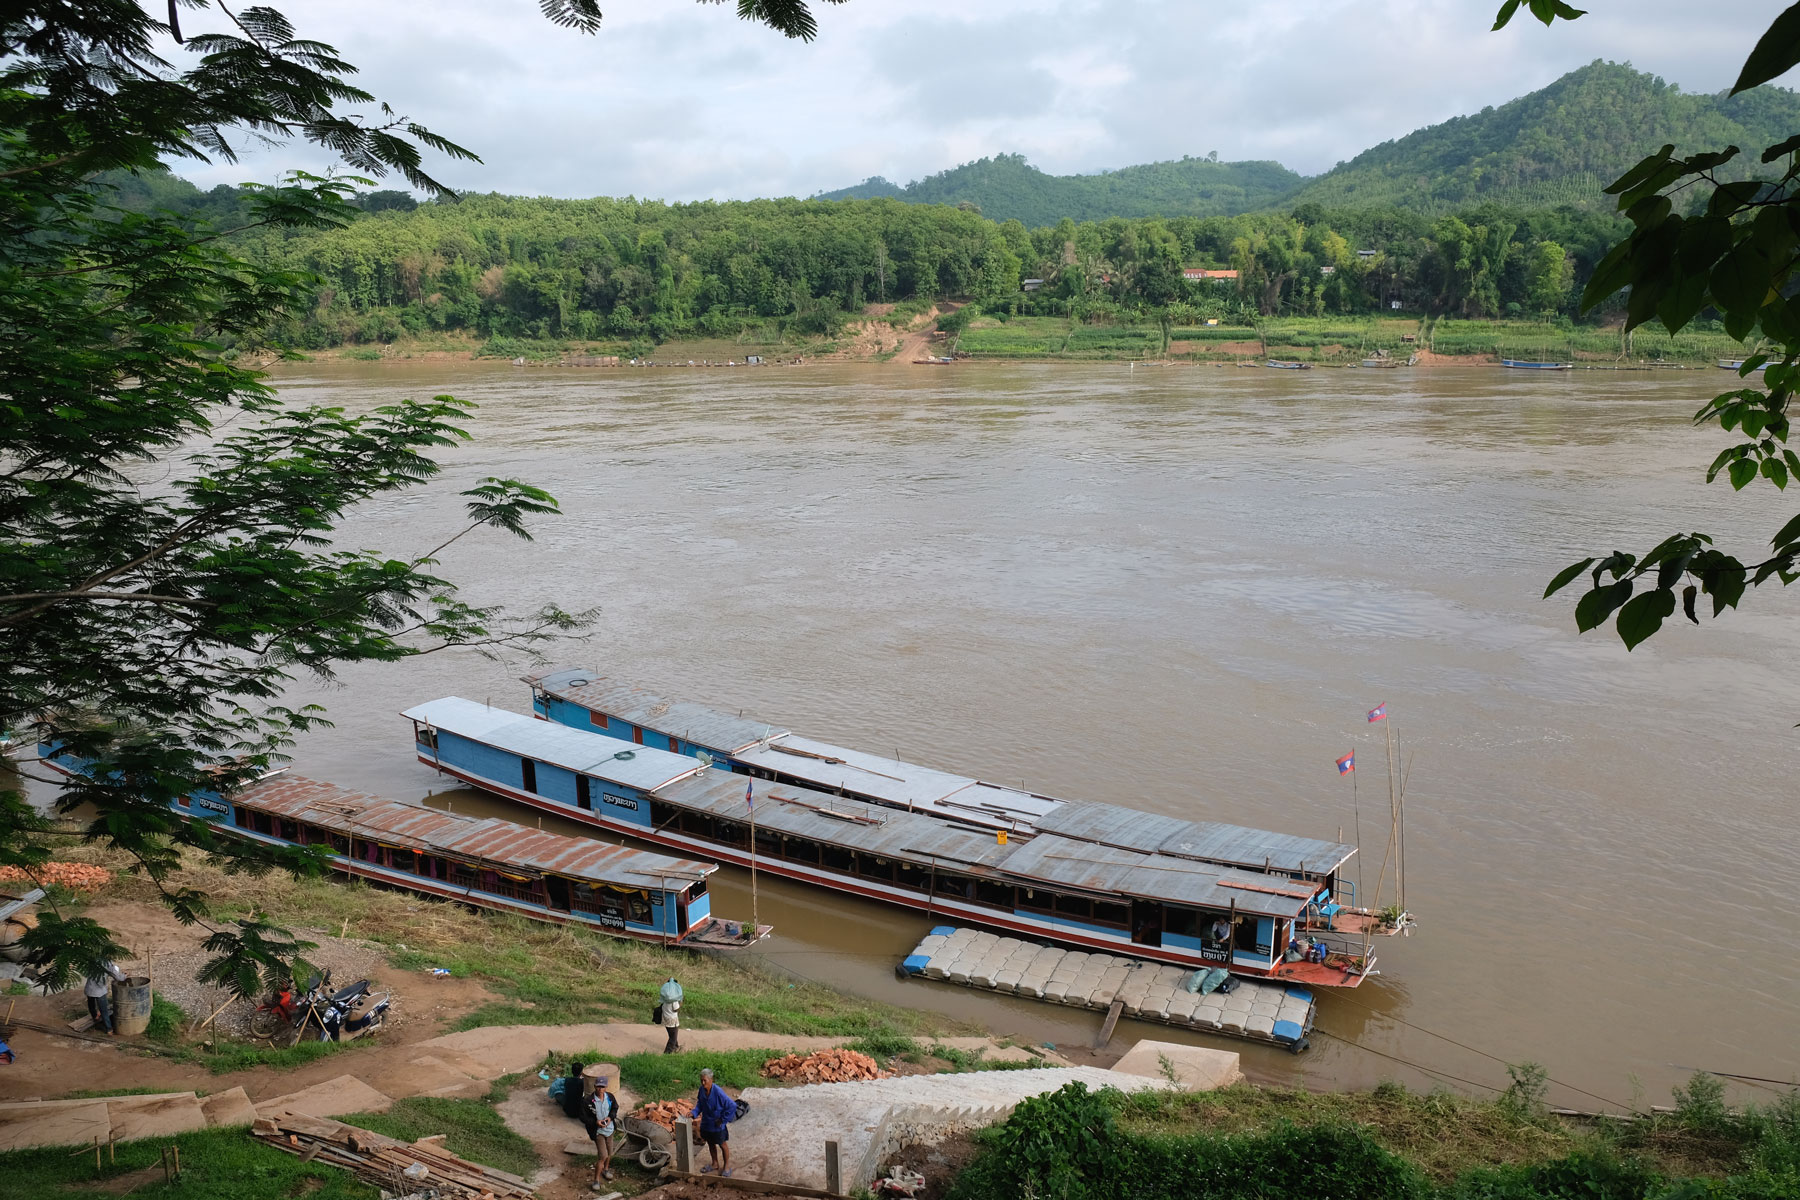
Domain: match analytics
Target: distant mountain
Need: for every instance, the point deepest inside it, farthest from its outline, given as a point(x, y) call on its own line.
point(1006, 186)
point(1558, 145)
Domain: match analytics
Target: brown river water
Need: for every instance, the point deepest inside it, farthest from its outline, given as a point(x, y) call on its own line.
point(1180, 589)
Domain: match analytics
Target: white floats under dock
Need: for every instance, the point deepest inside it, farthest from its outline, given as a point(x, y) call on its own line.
point(1262, 1011)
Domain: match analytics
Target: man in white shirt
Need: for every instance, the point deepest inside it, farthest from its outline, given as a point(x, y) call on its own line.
point(99, 994)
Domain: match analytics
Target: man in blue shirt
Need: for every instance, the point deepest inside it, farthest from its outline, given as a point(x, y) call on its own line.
point(715, 1110)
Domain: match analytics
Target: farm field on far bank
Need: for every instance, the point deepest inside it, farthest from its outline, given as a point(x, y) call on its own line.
point(1340, 340)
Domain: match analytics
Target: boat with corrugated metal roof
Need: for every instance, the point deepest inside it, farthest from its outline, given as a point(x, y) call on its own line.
point(935, 843)
point(479, 861)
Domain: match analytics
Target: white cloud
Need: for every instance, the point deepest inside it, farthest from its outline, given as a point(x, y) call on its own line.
point(683, 101)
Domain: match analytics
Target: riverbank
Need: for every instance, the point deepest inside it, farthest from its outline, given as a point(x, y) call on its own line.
point(462, 1054)
point(885, 334)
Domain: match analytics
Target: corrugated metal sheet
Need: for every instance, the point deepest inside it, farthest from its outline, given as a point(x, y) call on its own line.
point(595, 754)
point(695, 723)
point(1055, 860)
point(1209, 841)
point(415, 827)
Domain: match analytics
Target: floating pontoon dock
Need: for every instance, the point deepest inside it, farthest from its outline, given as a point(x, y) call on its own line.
point(1261, 1011)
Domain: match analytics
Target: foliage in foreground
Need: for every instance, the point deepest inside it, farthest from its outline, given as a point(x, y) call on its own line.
point(1079, 1145)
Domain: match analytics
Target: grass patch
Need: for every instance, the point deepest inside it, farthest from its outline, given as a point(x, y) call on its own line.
point(17, 987)
point(216, 1164)
point(243, 1056)
point(671, 1076)
point(166, 1021)
point(107, 1093)
point(972, 1060)
point(473, 1130)
point(545, 974)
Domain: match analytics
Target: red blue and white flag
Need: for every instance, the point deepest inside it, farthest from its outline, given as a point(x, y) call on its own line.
point(1347, 763)
point(750, 793)
point(1379, 712)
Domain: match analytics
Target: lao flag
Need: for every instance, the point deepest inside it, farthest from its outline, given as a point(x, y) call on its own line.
point(1379, 712)
point(1347, 763)
point(750, 793)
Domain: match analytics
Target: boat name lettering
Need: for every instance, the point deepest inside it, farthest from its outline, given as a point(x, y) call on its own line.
point(210, 808)
point(625, 802)
point(612, 918)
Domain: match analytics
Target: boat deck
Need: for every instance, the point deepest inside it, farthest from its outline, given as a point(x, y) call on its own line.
point(724, 935)
point(1279, 1013)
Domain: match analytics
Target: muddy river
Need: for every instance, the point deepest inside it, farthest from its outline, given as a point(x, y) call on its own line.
point(1180, 589)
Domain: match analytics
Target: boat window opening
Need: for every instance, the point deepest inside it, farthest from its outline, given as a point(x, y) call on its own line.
point(263, 822)
point(584, 799)
point(583, 899)
point(403, 860)
point(1116, 915)
point(240, 816)
point(730, 833)
point(289, 831)
point(870, 867)
point(994, 895)
point(1281, 937)
point(909, 876)
point(1078, 908)
point(1243, 935)
point(954, 885)
point(837, 858)
point(1183, 922)
point(801, 850)
point(696, 889)
point(339, 843)
point(427, 736)
point(518, 889)
point(637, 907)
point(768, 844)
point(698, 824)
point(1034, 900)
point(528, 770)
point(463, 874)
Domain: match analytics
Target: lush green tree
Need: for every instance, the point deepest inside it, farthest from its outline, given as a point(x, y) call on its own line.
point(1734, 248)
point(167, 562)
point(1549, 277)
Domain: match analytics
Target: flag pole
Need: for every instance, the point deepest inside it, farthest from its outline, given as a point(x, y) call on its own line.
point(1400, 852)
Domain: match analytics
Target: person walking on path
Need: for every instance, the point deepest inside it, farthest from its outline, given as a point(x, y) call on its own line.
point(671, 1014)
point(716, 1111)
point(603, 1115)
point(98, 990)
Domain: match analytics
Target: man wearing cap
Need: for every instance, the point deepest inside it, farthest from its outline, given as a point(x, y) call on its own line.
point(601, 1118)
point(715, 1110)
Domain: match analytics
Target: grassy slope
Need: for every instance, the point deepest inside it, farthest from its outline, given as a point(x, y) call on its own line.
point(473, 1130)
point(217, 1164)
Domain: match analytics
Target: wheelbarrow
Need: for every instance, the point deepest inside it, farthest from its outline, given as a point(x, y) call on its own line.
point(652, 1144)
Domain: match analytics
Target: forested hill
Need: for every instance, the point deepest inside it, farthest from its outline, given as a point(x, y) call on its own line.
point(1007, 187)
point(1559, 145)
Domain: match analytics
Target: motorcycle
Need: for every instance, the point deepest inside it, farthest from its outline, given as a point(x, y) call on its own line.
point(354, 1012)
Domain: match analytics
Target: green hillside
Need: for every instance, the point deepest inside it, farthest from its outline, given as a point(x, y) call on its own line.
point(1559, 145)
point(1007, 187)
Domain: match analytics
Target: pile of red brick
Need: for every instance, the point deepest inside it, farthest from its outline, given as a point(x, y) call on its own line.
point(77, 877)
point(663, 1112)
point(824, 1066)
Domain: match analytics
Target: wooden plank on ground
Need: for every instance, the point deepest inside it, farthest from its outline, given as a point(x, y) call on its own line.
point(1111, 1023)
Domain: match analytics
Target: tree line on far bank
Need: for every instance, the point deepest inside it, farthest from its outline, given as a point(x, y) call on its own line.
point(646, 271)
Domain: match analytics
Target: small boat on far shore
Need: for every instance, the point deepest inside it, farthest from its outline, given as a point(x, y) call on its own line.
point(1737, 364)
point(1519, 364)
point(1279, 365)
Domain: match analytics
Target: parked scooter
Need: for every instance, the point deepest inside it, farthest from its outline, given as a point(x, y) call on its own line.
point(354, 1012)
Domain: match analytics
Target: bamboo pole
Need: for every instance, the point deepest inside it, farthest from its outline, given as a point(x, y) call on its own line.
point(1400, 851)
point(755, 923)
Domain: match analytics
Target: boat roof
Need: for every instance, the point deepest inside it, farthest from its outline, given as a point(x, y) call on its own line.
point(608, 758)
point(828, 768)
point(1210, 841)
point(1046, 860)
point(487, 839)
point(695, 723)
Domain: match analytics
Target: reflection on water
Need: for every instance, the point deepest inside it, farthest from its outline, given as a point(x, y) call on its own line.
point(1180, 590)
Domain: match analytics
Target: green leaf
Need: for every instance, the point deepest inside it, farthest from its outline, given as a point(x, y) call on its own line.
point(1599, 604)
point(1776, 472)
point(1741, 280)
point(1687, 602)
point(1645, 168)
point(1781, 149)
point(1506, 14)
point(1788, 533)
point(1612, 273)
point(1775, 52)
point(1573, 569)
point(1742, 472)
point(1643, 616)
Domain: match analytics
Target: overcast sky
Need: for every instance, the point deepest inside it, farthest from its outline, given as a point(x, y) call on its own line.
point(683, 101)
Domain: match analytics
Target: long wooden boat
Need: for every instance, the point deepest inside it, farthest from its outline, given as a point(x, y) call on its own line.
point(1170, 906)
point(1737, 364)
point(1282, 365)
point(1519, 364)
point(483, 862)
